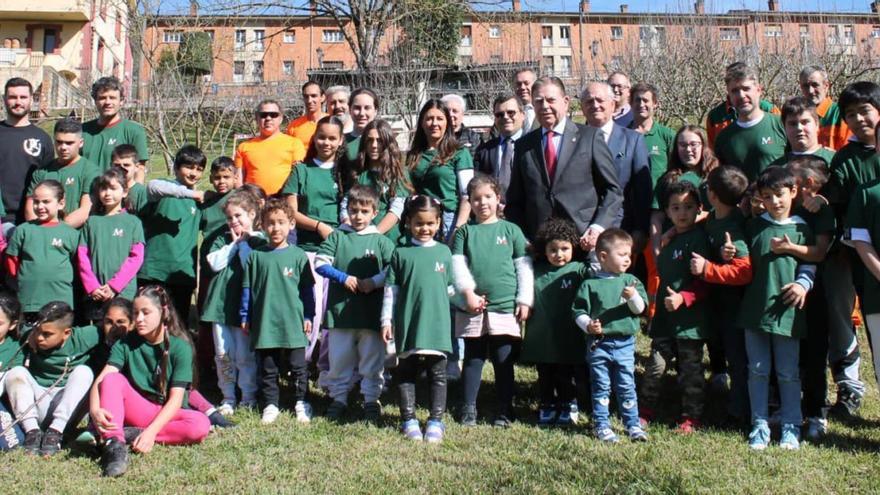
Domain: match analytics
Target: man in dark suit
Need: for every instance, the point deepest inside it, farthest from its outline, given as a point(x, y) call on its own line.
point(630, 160)
point(495, 156)
point(562, 170)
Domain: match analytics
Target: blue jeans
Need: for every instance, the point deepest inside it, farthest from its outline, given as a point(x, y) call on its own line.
point(612, 363)
point(785, 352)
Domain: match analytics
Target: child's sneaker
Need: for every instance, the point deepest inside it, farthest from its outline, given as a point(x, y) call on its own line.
point(51, 443)
point(226, 408)
point(270, 414)
point(114, 458)
point(411, 430)
point(848, 403)
point(568, 415)
point(759, 438)
point(434, 431)
point(335, 410)
point(606, 434)
point(791, 437)
point(637, 434)
point(688, 425)
point(468, 415)
point(303, 411)
point(373, 411)
point(33, 440)
point(218, 420)
point(817, 428)
point(546, 416)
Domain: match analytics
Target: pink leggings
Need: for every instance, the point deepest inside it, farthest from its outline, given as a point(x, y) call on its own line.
point(123, 401)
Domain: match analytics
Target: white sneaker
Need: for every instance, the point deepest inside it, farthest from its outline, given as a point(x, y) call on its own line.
point(453, 370)
point(270, 414)
point(303, 411)
point(226, 409)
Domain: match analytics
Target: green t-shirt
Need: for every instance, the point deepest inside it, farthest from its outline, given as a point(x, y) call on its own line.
point(212, 224)
point(689, 176)
point(140, 361)
point(77, 180)
point(317, 198)
point(171, 229)
point(386, 196)
point(824, 153)
point(601, 299)
point(275, 278)
point(853, 165)
point(45, 255)
point(674, 269)
point(421, 314)
point(109, 239)
point(10, 355)
point(821, 223)
point(490, 249)
point(754, 148)
point(137, 198)
point(551, 335)
point(361, 255)
point(224, 290)
point(440, 181)
point(352, 144)
point(762, 306)
point(48, 366)
point(724, 299)
point(863, 222)
point(99, 141)
point(660, 143)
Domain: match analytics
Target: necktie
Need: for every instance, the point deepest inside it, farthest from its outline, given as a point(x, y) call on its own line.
point(550, 155)
point(506, 163)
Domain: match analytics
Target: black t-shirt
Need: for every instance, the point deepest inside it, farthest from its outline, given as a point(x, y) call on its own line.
point(22, 149)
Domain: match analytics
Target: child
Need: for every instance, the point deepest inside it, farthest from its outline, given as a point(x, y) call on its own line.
point(801, 123)
point(11, 350)
point(70, 169)
point(236, 363)
point(607, 309)
point(679, 329)
point(491, 269)
point(277, 307)
point(40, 252)
point(554, 344)
point(417, 292)
point(47, 389)
point(354, 259)
point(125, 156)
point(171, 228)
point(145, 384)
point(111, 246)
point(726, 269)
point(771, 307)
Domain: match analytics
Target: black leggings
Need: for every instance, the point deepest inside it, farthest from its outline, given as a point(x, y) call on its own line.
point(555, 385)
point(268, 366)
point(502, 350)
point(406, 374)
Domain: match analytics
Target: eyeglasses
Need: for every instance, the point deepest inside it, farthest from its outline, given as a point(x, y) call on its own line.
point(268, 115)
point(509, 113)
point(692, 144)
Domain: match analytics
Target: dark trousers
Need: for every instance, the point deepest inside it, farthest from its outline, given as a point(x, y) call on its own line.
point(502, 351)
point(408, 370)
point(555, 385)
point(814, 354)
point(268, 366)
point(205, 334)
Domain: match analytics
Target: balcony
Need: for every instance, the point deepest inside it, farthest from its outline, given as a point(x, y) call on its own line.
point(46, 10)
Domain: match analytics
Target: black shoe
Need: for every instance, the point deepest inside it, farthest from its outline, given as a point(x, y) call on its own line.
point(131, 433)
point(372, 411)
point(848, 404)
point(114, 458)
point(219, 421)
point(468, 415)
point(336, 410)
point(51, 443)
point(33, 440)
point(503, 421)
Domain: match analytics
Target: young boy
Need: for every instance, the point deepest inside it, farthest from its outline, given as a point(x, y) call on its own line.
point(679, 326)
point(74, 172)
point(277, 307)
point(171, 229)
point(801, 123)
point(125, 156)
point(55, 378)
point(354, 261)
point(771, 311)
point(727, 269)
point(607, 309)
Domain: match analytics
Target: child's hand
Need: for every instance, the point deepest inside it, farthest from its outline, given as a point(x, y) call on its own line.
point(629, 291)
point(595, 327)
point(475, 303)
point(324, 230)
point(351, 283)
point(307, 327)
point(794, 295)
point(781, 246)
point(522, 312)
point(144, 442)
point(698, 264)
point(107, 292)
point(387, 334)
point(673, 300)
point(728, 249)
point(365, 285)
point(814, 202)
point(199, 196)
point(103, 419)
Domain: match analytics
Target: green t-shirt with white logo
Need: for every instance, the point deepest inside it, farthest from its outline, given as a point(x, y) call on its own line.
point(660, 142)
point(490, 249)
point(674, 269)
point(109, 239)
point(754, 148)
point(601, 299)
point(317, 197)
point(99, 141)
point(45, 255)
point(77, 180)
point(440, 181)
point(171, 230)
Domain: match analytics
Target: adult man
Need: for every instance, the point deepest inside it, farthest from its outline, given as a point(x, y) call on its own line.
point(523, 81)
point(630, 159)
point(304, 126)
point(467, 138)
point(110, 130)
point(620, 86)
point(267, 159)
point(723, 114)
point(337, 105)
point(659, 139)
point(495, 156)
point(814, 84)
point(562, 170)
point(23, 147)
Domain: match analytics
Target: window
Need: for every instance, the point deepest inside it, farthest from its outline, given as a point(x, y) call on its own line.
point(875, 31)
point(257, 73)
point(616, 62)
point(290, 36)
point(287, 67)
point(332, 36)
point(259, 40)
point(332, 64)
point(690, 33)
point(546, 35)
point(617, 32)
point(564, 35)
point(240, 40)
point(495, 31)
point(466, 61)
point(564, 66)
point(173, 36)
point(729, 34)
point(773, 30)
point(465, 36)
point(804, 31)
point(652, 36)
point(547, 64)
point(841, 34)
point(238, 71)
point(849, 34)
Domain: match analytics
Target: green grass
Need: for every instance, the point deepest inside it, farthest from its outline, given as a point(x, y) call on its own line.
point(351, 457)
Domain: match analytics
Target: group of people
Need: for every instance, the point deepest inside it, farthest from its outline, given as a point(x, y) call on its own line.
point(545, 242)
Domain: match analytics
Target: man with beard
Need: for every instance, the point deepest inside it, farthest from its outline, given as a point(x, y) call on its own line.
point(109, 130)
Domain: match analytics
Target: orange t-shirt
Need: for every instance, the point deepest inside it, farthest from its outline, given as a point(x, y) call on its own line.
point(267, 162)
point(303, 128)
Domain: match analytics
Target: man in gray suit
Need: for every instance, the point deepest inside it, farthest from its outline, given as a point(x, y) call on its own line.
point(562, 170)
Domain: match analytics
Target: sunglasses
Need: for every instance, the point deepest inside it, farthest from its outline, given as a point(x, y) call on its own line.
point(509, 113)
point(268, 115)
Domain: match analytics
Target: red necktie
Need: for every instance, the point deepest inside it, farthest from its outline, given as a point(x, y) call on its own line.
point(550, 155)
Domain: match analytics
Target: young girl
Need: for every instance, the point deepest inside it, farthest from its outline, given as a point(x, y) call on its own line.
point(491, 269)
point(40, 252)
point(416, 302)
point(234, 356)
point(145, 383)
point(552, 341)
point(377, 164)
point(439, 167)
point(111, 246)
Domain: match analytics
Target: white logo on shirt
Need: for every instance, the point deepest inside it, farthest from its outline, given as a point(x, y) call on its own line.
point(369, 253)
point(677, 254)
point(655, 150)
point(287, 271)
point(56, 242)
point(192, 210)
point(118, 232)
point(566, 284)
point(32, 146)
point(439, 267)
point(69, 181)
point(111, 141)
point(767, 140)
point(500, 240)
